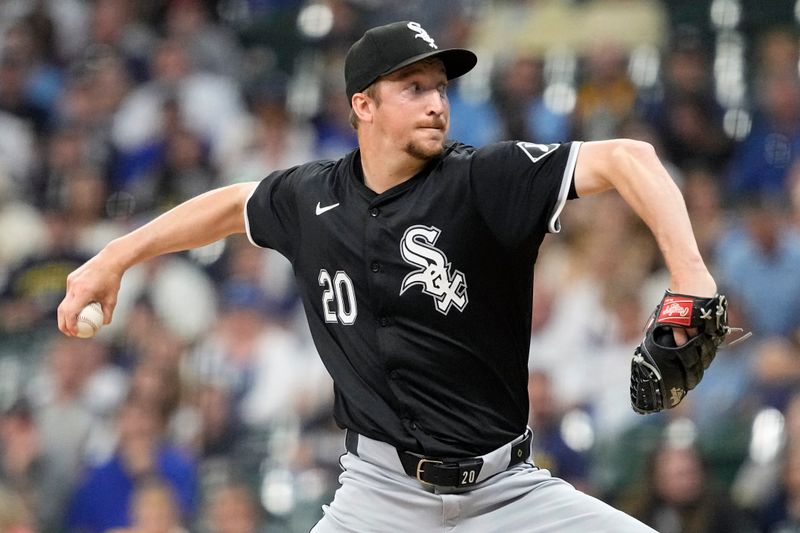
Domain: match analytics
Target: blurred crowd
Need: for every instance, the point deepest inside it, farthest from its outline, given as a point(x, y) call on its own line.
point(204, 407)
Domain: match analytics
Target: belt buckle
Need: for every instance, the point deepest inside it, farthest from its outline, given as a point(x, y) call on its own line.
point(420, 471)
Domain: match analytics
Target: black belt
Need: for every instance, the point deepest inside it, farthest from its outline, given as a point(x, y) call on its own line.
point(447, 472)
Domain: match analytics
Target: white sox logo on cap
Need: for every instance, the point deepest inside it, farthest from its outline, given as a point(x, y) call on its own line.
point(385, 49)
point(422, 34)
point(434, 273)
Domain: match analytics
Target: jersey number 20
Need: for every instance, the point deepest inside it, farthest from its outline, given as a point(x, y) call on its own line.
point(338, 289)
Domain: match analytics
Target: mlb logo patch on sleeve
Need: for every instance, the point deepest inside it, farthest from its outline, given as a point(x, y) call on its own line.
point(536, 152)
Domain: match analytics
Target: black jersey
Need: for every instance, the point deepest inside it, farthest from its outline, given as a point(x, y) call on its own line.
point(419, 298)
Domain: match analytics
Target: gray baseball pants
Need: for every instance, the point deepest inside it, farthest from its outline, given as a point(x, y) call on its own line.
point(377, 496)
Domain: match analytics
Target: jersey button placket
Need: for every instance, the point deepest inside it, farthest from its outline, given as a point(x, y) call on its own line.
point(375, 267)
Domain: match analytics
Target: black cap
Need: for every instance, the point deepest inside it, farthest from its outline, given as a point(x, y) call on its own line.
point(385, 49)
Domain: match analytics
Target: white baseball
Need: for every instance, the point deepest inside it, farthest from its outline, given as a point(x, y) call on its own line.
point(90, 320)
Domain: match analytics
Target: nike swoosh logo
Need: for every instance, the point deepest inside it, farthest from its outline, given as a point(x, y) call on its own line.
point(321, 209)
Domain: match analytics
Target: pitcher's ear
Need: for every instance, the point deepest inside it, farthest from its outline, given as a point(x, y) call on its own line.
point(363, 106)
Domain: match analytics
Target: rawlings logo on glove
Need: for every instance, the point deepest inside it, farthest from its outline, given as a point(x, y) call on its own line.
point(662, 372)
point(676, 311)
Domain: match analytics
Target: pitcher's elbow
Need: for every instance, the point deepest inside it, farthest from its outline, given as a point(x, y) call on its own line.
point(632, 148)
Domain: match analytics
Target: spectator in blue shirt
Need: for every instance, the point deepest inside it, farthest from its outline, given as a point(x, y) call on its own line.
point(103, 499)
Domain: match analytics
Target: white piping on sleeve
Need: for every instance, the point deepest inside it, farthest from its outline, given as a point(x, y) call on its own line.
point(554, 226)
point(247, 219)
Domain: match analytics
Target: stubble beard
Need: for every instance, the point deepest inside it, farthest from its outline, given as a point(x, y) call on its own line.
point(417, 151)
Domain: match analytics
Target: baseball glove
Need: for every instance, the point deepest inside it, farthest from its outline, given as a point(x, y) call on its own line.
point(662, 372)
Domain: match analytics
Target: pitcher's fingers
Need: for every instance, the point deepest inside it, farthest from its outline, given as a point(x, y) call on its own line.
point(62, 324)
point(680, 336)
point(66, 326)
point(108, 304)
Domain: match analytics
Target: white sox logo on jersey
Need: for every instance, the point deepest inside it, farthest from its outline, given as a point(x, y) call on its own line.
point(434, 273)
point(421, 34)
